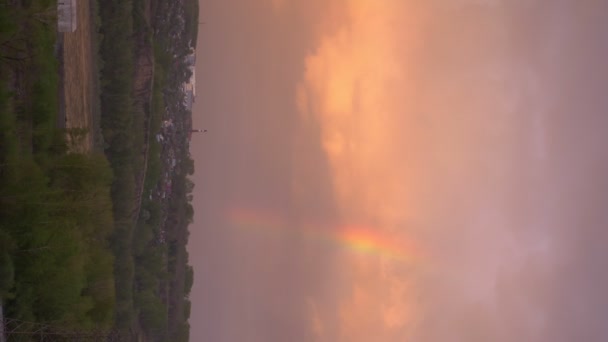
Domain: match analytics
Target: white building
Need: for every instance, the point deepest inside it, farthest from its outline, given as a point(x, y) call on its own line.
point(66, 15)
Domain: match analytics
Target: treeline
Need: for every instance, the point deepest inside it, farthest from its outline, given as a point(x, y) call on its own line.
point(176, 25)
point(181, 215)
point(117, 123)
point(149, 270)
point(149, 253)
point(191, 9)
point(142, 272)
point(163, 277)
point(176, 30)
point(55, 206)
point(162, 293)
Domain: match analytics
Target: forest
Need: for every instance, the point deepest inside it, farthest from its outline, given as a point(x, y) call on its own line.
point(55, 206)
point(149, 241)
point(80, 244)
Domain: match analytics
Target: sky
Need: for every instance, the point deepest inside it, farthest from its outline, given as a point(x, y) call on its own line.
point(400, 170)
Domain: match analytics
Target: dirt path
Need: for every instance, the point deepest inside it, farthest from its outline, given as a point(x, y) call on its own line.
point(79, 76)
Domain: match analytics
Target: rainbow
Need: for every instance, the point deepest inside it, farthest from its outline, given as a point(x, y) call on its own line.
point(358, 239)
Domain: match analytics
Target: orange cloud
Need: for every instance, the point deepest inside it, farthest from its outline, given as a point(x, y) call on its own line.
point(317, 325)
point(348, 89)
point(352, 87)
point(278, 5)
point(419, 120)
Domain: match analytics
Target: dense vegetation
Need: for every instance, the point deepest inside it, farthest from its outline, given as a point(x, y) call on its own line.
point(116, 52)
point(55, 206)
point(85, 239)
point(151, 259)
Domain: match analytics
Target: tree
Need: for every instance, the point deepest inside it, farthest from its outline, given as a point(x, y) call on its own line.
point(189, 280)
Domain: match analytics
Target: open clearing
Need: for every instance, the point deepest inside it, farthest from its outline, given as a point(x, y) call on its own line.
point(80, 77)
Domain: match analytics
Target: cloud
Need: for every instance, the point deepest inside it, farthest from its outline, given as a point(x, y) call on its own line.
point(351, 88)
point(348, 93)
point(278, 5)
point(440, 125)
point(316, 324)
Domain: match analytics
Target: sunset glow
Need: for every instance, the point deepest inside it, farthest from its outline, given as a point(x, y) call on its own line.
point(400, 170)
